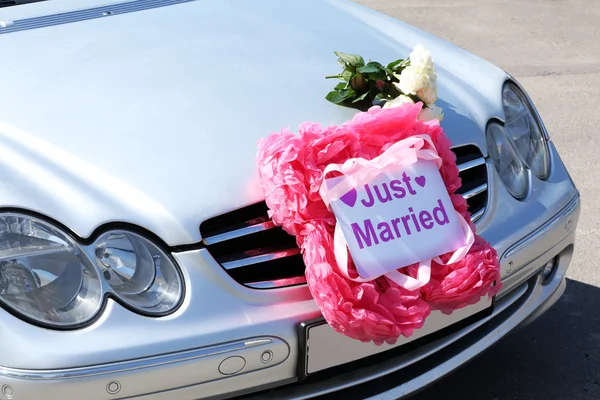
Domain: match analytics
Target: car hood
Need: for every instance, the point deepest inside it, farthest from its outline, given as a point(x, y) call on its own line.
point(151, 116)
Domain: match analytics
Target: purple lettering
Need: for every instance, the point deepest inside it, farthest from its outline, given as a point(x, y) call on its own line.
point(395, 222)
point(441, 210)
point(405, 220)
point(406, 180)
point(414, 218)
point(385, 233)
point(371, 200)
point(368, 237)
point(425, 219)
point(388, 195)
point(396, 186)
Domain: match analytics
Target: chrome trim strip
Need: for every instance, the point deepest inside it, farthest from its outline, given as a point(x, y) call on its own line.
point(474, 192)
point(124, 366)
point(243, 262)
point(471, 164)
point(86, 14)
point(247, 230)
point(477, 215)
point(542, 230)
point(298, 280)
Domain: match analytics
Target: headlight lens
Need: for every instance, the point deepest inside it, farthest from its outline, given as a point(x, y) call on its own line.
point(138, 271)
point(508, 165)
point(44, 275)
point(524, 130)
point(47, 277)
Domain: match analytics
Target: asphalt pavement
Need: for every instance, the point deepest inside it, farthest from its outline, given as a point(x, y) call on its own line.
point(552, 47)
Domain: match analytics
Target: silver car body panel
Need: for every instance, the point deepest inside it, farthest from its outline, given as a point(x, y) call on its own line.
point(152, 117)
point(129, 117)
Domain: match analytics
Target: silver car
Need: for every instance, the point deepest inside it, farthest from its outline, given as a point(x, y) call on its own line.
point(137, 259)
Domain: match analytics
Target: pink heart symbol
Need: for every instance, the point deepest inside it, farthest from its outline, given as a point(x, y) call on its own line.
point(350, 198)
point(420, 180)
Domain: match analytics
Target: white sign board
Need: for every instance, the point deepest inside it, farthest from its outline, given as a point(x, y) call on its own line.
point(400, 217)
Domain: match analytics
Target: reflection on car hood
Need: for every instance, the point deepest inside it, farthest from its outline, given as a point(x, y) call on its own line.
point(152, 117)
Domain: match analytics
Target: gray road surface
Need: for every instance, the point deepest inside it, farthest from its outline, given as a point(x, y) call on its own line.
point(553, 48)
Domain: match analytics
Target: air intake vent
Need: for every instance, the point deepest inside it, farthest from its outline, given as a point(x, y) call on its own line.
point(259, 254)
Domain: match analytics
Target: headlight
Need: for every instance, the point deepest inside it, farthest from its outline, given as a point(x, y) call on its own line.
point(525, 131)
point(47, 277)
point(44, 275)
point(138, 272)
point(508, 164)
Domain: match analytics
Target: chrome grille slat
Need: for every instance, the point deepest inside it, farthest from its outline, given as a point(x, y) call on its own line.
point(248, 230)
point(261, 255)
point(471, 164)
point(477, 215)
point(474, 192)
point(251, 260)
point(277, 283)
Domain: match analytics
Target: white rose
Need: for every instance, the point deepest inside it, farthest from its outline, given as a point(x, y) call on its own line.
point(398, 101)
point(408, 81)
point(421, 58)
point(431, 112)
point(419, 77)
point(428, 93)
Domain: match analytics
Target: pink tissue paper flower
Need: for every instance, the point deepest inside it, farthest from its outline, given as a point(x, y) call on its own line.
point(291, 172)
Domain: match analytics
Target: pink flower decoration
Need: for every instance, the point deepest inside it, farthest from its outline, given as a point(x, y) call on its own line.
point(291, 172)
point(465, 282)
point(379, 310)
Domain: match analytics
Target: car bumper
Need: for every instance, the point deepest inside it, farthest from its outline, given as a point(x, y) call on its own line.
point(213, 371)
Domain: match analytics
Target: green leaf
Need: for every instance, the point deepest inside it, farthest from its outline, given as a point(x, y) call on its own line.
point(339, 96)
point(371, 67)
point(394, 63)
point(348, 93)
point(398, 65)
point(347, 75)
point(380, 75)
point(335, 97)
point(350, 59)
point(390, 74)
point(340, 86)
point(361, 97)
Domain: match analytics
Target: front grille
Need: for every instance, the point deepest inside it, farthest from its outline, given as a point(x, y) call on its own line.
point(259, 254)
